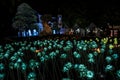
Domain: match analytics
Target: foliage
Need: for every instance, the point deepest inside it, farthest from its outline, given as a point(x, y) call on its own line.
point(24, 18)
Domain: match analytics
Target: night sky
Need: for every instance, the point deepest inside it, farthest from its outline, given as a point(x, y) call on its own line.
point(93, 9)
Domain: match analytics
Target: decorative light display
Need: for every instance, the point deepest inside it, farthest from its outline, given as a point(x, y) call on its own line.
point(76, 55)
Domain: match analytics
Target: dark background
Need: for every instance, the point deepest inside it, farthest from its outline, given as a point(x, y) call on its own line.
point(93, 10)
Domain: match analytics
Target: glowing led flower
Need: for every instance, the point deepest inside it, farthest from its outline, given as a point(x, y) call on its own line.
point(2, 75)
point(64, 56)
point(108, 68)
point(49, 47)
point(82, 74)
point(118, 73)
point(68, 65)
point(82, 67)
point(11, 65)
point(110, 51)
point(6, 55)
point(84, 48)
point(19, 60)
point(76, 66)
point(115, 41)
point(103, 46)
point(108, 59)
point(98, 50)
point(33, 64)
point(13, 58)
point(1, 66)
point(90, 74)
point(1, 56)
point(17, 65)
point(45, 49)
point(57, 51)
point(75, 52)
point(31, 76)
point(39, 54)
point(90, 55)
point(52, 55)
point(102, 50)
point(115, 56)
point(46, 57)
point(94, 45)
point(23, 66)
point(77, 56)
point(65, 69)
point(111, 46)
point(91, 60)
point(95, 53)
point(37, 64)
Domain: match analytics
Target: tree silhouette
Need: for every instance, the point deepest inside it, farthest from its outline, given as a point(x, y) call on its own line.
point(24, 18)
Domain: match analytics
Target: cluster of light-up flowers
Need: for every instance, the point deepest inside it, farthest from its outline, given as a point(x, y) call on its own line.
point(91, 58)
point(83, 71)
point(79, 55)
point(76, 55)
point(67, 67)
point(31, 76)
